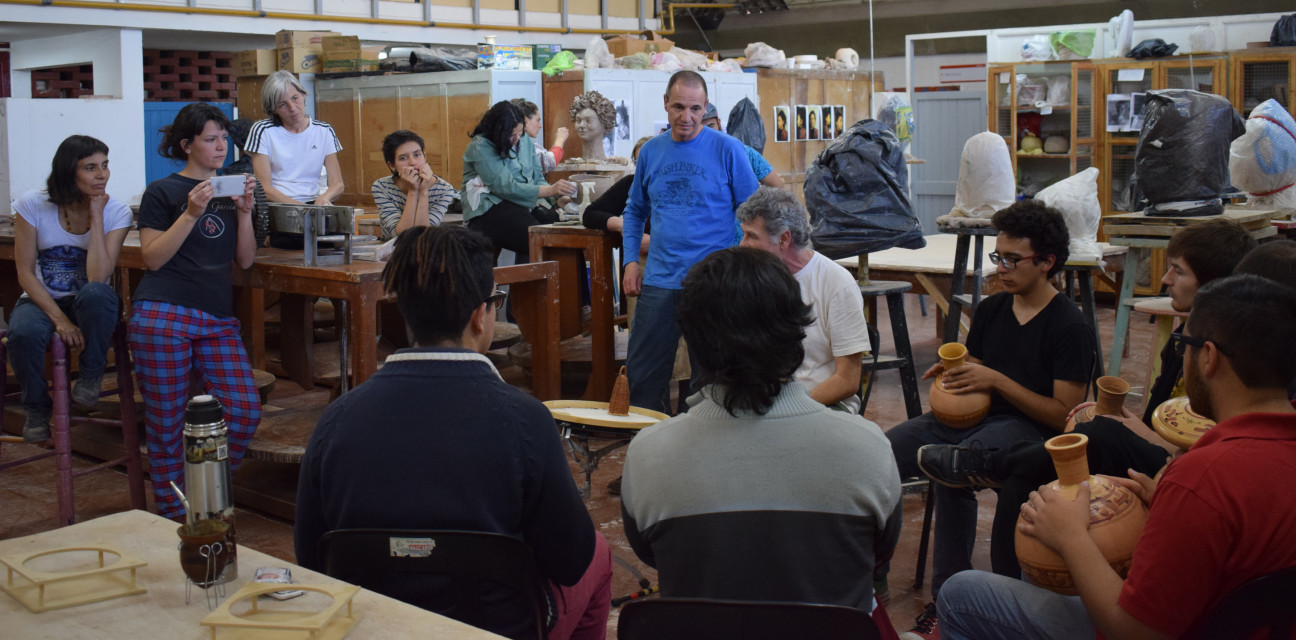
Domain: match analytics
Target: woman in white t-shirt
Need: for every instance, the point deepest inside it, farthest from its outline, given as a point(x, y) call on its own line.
point(289, 148)
point(66, 241)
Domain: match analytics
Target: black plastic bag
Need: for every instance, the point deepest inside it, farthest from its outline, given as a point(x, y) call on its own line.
point(745, 124)
point(442, 59)
point(1154, 48)
point(1183, 149)
point(857, 194)
point(1284, 32)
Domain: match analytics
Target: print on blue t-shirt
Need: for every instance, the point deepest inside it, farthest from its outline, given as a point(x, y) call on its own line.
point(63, 268)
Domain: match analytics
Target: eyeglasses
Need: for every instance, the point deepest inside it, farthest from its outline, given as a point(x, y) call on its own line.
point(1011, 263)
point(496, 299)
point(1182, 342)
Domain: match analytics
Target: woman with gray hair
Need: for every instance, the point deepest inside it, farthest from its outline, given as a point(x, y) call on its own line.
point(289, 148)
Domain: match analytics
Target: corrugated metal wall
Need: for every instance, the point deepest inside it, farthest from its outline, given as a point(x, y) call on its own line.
point(944, 121)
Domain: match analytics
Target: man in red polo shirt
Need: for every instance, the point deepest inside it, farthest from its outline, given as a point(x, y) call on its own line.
point(1214, 525)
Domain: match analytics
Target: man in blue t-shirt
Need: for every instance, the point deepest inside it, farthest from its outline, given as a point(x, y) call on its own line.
point(689, 182)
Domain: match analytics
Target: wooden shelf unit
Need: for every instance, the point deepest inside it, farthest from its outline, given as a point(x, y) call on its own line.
point(1076, 119)
point(1260, 74)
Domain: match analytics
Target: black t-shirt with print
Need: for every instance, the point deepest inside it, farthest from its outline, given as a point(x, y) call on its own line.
point(199, 275)
point(1056, 344)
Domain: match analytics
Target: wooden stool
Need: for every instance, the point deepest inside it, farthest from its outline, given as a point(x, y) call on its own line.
point(957, 299)
point(1084, 275)
point(265, 383)
point(903, 359)
point(506, 335)
point(1165, 320)
point(61, 427)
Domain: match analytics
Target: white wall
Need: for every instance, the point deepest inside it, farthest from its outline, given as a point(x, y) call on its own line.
point(26, 148)
point(926, 69)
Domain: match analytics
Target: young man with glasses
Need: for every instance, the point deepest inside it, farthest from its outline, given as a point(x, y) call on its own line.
point(1216, 522)
point(1031, 348)
point(1197, 255)
point(436, 440)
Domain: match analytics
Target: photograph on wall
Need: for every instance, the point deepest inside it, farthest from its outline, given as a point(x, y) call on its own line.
point(801, 123)
point(781, 125)
point(622, 119)
point(839, 120)
point(1118, 112)
point(1138, 109)
point(812, 122)
point(827, 112)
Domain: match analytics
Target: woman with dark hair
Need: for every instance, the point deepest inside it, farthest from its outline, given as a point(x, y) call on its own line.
point(550, 158)
point(503, 184)
point(183, 316)
point(290, 148)
point(758, 492)
point(412, 196)
point(66, 241)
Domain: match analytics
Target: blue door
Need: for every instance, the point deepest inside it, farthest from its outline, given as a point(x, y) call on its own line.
point(161, 114)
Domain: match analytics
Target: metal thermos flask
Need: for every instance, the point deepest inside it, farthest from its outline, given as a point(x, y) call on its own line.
point(207, 471)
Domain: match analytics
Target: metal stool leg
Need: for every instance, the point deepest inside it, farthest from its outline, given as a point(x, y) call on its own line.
point(900, 336)
point(956, 289)
point(926, 535)
point(62, 433)
point(1091, 315)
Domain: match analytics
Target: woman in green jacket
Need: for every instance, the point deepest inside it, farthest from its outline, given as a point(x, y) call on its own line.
point(503, 185)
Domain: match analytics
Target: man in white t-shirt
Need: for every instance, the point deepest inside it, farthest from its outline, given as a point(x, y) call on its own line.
point(774, 220)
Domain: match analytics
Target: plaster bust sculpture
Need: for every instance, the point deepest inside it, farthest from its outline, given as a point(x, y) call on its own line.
point(593, 116)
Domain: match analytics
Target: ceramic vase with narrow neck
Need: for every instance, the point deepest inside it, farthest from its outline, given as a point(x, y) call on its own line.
point(1116, 518)
point(956, 410)
point(1111, 399)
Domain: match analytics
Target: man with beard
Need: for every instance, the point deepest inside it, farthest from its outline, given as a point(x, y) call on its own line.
point(1214, 524)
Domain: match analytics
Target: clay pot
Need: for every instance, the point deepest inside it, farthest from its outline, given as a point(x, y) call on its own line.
point(1111, 399)
point(619, 404)
point(956, 410)
point(204, 551)
point(1175, 421)
point(1116, 518)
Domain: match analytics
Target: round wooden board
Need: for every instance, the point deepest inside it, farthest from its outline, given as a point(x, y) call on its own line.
point(562, 410)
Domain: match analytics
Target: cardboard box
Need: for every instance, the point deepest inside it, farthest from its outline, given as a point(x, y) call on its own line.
point(296, 39)
point(335, 44)
point(301, 60)
point(648, 41)
point(255, 62)
point(541, 54)
point(347, 60)
point(503, 56)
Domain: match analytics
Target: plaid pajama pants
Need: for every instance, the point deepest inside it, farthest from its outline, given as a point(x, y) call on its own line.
point(166, 341)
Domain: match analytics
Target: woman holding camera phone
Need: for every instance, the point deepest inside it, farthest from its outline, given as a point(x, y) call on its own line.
point(184, 305)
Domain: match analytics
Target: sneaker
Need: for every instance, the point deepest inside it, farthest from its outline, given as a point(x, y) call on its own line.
point(85, 392)
point(924, 626)
point(614, 487)
point(37, 428)
point(957, 466)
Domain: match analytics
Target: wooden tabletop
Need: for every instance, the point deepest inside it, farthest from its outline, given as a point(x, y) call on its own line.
point(161, 612)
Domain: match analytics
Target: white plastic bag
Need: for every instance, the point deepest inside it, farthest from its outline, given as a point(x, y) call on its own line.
point(1122, 34)
point(666, 61)
point(725, 66)
point(1037, 48)
point(1262, 161)
point(1077, 198)
point(986, 182)
point(1059, 90)
point(691, 60)
point(1201, 40)
point(1030, 94)
point(597, 55)
point(760, 54)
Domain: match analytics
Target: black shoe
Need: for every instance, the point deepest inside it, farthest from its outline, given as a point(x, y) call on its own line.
point(925, 626)
point(957, 466)
point(614, 487)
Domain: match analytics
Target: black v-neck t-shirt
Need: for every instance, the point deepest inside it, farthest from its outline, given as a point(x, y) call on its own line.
point(1056, 344)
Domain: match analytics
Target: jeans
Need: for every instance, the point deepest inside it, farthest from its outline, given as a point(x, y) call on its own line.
point(93, 310)
point(650, 357)
point(956, 509)
point(976, 604)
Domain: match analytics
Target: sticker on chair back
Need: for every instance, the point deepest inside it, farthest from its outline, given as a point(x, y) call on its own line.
point(411, 547)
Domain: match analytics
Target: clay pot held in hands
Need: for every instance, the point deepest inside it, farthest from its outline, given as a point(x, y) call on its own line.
point(1116, 518)
point(956, 410)
point(1111, 399)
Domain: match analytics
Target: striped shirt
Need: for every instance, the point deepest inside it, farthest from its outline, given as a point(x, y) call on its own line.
point(391, 203)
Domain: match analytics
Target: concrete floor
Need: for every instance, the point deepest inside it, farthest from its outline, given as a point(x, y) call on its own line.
point(28, 500)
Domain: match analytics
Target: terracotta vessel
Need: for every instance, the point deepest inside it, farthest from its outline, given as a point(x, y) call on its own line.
point(956, 410)
point(619, 404)
point(204, 551)
point(1175, 421)
point(1116, 518)
point(1111, 398)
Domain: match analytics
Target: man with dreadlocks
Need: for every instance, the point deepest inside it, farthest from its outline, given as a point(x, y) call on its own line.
point(467, 451)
